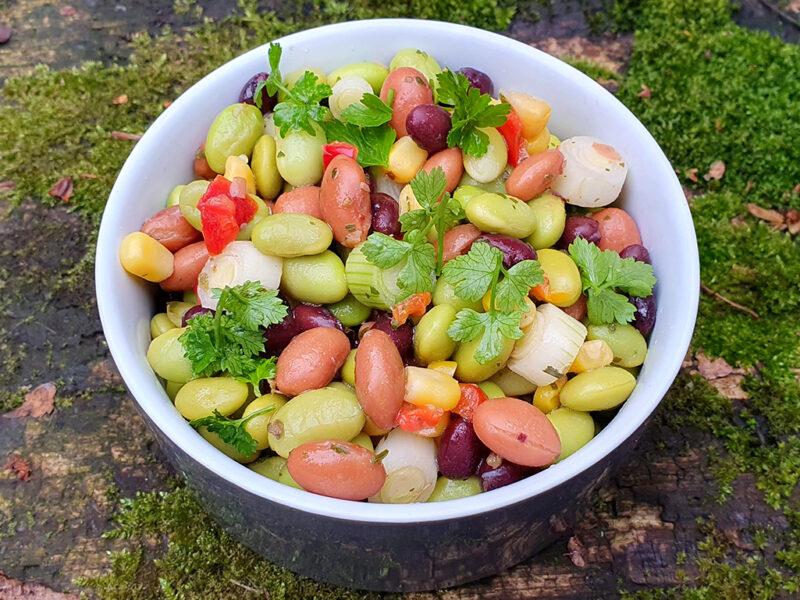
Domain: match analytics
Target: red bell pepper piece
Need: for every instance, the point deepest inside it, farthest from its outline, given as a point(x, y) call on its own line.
point(224, 208)
point(511, 131)
point(413, 306)
point(336, 148)
point(419, 419)
point(245, 206)
point(218, 217)
point(471, 398)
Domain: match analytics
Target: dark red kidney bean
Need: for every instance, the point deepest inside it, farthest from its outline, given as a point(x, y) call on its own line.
point(644, 319)
point(428, 125)
point(247, 95)
point(497, 477)
point(636, 252)
point(308, 316)
point(385, 214)
point(194, 311)
point(513, 250)
point(278, 336)
point(478, 79)
point(460, 450)
point(403, 336)
point(579, 227)
point(370, 181)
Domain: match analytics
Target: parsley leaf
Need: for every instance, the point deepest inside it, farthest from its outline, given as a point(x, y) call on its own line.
point(302, 108)
point(471, 111)
point(231, 340)
point(232, 431)
point(373, 143)
point(478, 272)
point(472, 273)
point(265, 369)
point(370, 112)
point(517, 284)
point(385, 252)
point(495, 326)
point(603, 272)
point(438, 211)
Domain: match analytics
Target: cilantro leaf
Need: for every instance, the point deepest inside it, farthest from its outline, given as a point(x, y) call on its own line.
point(384, 251)
point(491, 326)
point(266, 369)
point(603, 272)
point(253, 306)
point(231, 340)
point(478, 272)
point(471, 111)
point(301, 108)
point(373, 143)
point(416, 274)
point(370, 112)
point(232, 431)
point(414, 219)
point(429, 187)
point(516, 285)
point(472, 273)
point(607, 306)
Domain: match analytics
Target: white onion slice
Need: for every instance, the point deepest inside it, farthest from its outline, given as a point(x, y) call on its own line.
point(411, 468)
point(593, 172)
point(384, 184)
point(237, 263)
point(347, 91)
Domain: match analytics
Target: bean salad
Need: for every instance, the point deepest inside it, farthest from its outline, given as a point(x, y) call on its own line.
point(395, 284)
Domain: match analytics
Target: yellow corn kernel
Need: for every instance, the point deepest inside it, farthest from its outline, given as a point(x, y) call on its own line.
point(593, 354)
point(145, 257)
point(448, 367)
point(428, 387)
point(405, 159)
point(160, 323)
point(547, 397)
point(533, 112)
point(528, 318)
point(236, 166)
point(539, 143)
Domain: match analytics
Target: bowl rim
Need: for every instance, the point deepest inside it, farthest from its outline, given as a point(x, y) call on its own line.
point(162, 414)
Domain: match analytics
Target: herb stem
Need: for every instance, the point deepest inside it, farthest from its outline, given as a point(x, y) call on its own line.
point(493, 288)
point(218, 316)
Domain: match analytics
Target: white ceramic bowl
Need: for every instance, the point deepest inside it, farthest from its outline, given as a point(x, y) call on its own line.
point(419, 546)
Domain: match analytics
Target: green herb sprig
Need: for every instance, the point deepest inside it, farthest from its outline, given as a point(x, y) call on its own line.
point(231, 340)
point(471, 111)
point(438, 210)
point(603, 272)
point(477, 272)
point(232, 431)
point(365, 125)
point(302, 107)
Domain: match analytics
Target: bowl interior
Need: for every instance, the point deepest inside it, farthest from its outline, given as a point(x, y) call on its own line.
point(652, 194)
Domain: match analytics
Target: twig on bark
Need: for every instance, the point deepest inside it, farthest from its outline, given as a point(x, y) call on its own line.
point(727, 301)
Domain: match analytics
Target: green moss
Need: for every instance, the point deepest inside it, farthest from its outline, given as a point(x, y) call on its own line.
point(719, 92)
point(200, 561)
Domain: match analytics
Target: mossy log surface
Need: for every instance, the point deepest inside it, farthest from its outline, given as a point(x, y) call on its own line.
point(706, 508)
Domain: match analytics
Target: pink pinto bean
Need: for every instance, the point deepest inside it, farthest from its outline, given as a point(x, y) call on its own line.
point(169, 227)
point(458, 240)
point(617, 229)
point(188, 261)
point(380, 378)
point(410, 90)
point(336, 469)
point(452, 163)
point(311, 360)
point(344, 200)
point(535, 174)
point(517, 431)
point(303, 200)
